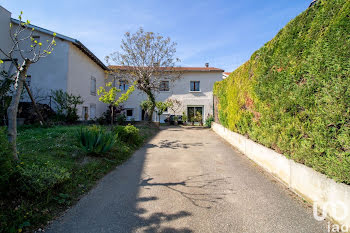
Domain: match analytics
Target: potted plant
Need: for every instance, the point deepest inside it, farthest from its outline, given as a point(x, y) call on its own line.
point(199, 118)
point(184, 118)
point(192, 120)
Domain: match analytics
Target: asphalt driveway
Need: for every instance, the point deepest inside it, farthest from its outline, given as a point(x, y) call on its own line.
point(188, 180)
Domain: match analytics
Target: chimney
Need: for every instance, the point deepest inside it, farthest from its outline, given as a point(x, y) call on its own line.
point(207, 64)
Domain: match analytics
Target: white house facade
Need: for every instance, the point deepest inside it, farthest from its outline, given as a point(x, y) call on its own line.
point(71, 67)
point(194, 90)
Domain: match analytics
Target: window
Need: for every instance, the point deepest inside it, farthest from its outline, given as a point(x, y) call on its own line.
point(85, 113)
point(93, 86)
point(195, 86)
point(164, 86)
point(92, 111)
point(129, 113)
point(123, 85)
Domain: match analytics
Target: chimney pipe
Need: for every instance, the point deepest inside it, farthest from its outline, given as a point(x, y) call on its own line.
point(207, 64)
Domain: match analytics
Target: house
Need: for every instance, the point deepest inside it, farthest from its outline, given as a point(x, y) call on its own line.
point(194, 90)
point(225, 75)
point(75, 69)
point(71, 67)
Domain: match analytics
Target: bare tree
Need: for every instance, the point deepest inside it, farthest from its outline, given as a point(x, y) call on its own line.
point(28, 51)
point(174, 105)
point(147, 59)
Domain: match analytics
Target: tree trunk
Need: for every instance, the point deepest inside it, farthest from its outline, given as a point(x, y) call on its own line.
point(153, 100)
point(13, 108)
point(42, 121)
point(112, 115)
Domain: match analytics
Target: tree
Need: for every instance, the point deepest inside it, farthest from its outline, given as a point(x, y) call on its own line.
point(174, 105)
point(147, 59)
point(28, 51)
point(161, 107)
point(110, 96)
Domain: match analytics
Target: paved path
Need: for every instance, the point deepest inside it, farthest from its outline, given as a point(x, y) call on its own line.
point(188, 180)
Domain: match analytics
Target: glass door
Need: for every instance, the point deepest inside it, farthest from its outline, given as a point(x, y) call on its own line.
point(193, 113)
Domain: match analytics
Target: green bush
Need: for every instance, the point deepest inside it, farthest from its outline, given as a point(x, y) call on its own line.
point(128, 134)
point(37, 177)
point(95, 140)
point(208, 121)
point(293, 94)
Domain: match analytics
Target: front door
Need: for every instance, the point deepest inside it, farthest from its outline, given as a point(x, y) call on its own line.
point(193, 113)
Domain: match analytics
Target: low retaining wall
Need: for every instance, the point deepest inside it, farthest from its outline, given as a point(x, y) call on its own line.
point(331, 197)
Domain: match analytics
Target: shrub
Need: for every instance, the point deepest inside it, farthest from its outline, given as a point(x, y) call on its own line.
point(208, 121)
point(37, 177)
point(121, 119)
point(293, 94)
point(128, 134)
point(66, 105)
point(95, 140)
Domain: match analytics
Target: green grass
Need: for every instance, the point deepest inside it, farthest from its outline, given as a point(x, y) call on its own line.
point(56, 148)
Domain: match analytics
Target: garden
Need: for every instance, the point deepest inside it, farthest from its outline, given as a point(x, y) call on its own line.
point(56, 166)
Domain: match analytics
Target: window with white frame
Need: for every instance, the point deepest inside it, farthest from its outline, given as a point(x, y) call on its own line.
point(195, 86)
point(93, 86)
point(164, 86)
point(123, 85)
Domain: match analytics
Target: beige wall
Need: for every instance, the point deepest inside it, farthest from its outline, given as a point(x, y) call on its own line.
point(80, 70)
point(180, 90)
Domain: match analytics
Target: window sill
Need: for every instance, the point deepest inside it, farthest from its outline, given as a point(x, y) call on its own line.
point(164, 91)
point(195, 91)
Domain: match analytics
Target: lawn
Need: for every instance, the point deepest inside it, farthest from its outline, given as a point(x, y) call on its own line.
point(55, 173)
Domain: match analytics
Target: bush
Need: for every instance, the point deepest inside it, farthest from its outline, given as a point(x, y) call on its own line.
point(95, 140)
point(121, 119)
point(66, 105)
point(128, 134)
point(7, 165)
point(37, 177)
point(293, 94)
point(208, 121)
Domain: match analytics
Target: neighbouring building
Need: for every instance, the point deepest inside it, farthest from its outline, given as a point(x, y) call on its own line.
point(225, 75)
point(194, 90)
point(71, 67)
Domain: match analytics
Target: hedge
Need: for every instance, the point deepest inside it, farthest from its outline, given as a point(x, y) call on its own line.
point(293, 95)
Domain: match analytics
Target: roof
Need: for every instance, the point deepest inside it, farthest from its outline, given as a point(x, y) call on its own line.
point(227, 73)
point(76, 42)
point(188, 69)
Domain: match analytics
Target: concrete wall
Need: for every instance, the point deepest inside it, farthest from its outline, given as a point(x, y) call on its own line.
point(313, 186)
point(80, 70)
point(180, 90)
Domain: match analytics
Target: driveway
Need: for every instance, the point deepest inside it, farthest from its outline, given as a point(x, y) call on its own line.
point(189, 180)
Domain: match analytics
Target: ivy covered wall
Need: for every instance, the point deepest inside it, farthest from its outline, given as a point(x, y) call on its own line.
point(293, 95)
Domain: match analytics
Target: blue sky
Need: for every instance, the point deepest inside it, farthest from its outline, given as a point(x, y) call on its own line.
point(222, 32)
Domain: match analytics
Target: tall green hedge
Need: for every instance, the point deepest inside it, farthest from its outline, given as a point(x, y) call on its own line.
point(293, 95)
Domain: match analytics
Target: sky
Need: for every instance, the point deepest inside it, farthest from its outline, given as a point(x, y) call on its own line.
point(224, 33)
